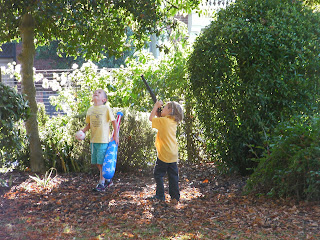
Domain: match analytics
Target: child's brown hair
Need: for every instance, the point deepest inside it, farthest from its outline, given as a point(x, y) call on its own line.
point(176, 111)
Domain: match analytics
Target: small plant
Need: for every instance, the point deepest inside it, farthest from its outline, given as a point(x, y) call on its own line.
point(46, 179)
point(6, 183)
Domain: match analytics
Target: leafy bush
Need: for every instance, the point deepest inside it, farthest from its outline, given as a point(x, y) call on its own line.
point(13, 108)
point(291, 165)
point(256, 65)
point(136, 144)
point(61, 150)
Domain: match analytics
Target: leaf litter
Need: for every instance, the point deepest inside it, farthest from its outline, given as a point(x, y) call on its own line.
point(212, 207)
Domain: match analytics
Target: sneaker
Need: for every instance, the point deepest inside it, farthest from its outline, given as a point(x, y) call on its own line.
point(99, 188)
point(108, 184)
point(157, 201)
point(155, 197)
point(174, 202)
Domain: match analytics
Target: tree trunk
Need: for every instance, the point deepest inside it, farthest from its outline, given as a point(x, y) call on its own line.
point(191, 149)
point(28, 88)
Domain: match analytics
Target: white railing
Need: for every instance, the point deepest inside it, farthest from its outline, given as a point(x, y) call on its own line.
point(42, 94)
point(213, 5)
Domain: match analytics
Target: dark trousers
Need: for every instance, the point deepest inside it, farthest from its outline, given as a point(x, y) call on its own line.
point(160, 170)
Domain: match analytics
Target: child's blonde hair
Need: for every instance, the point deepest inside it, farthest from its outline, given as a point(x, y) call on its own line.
point(176, 112)
point(106, 96)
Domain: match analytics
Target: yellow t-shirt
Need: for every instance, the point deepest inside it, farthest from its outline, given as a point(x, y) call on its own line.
point(166, 141)
point(99, 118)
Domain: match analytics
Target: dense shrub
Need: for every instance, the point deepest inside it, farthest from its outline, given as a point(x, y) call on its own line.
point(136, 143)
point(256, 65)
point(291, 165)
point(13, 108)
point(61, 150)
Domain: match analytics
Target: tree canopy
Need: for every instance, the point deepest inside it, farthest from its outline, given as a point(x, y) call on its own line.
point(90, 27)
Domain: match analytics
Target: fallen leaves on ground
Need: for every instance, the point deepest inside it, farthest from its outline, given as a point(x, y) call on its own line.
point(211, 207)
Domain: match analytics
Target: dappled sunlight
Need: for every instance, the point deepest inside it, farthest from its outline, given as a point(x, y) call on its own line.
point(186, 236)
point(190, 193)
point(187, 193)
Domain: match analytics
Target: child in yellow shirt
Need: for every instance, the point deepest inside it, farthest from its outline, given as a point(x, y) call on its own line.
point(98, 118)
point(167, 148)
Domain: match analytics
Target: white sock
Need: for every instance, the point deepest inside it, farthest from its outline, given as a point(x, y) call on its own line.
point(102, 181)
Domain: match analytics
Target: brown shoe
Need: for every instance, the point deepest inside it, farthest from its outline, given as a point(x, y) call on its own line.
point(174, 202)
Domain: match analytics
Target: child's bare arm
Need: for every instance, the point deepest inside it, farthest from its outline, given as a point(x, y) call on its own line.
point(115, 131)
point(86, 128)
point(153, 113)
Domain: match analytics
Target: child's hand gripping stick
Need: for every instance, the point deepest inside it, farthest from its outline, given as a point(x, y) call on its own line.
point(110, 159)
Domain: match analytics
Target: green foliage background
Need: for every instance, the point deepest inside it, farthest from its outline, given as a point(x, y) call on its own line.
point(126, 93)
point(13, 109)
point(255, 66)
